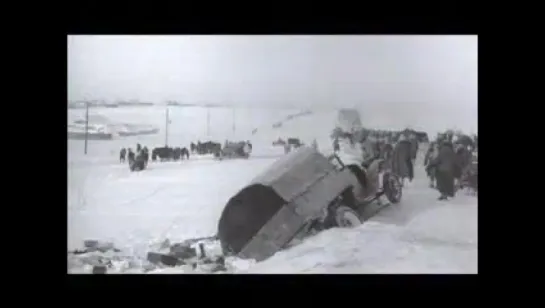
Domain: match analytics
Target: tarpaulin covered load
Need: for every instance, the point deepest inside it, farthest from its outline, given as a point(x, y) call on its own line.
point(266, 214)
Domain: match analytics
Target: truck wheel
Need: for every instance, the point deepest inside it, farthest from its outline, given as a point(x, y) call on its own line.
point(346, 217)
point(392, 188)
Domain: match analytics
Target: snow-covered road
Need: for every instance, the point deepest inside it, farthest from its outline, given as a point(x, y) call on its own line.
point(180, 200)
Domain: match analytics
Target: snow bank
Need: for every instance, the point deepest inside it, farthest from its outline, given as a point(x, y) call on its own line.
point(442, 240)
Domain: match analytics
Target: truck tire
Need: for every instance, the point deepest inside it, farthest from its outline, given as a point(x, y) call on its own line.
point(392, 188)
point(346, 217)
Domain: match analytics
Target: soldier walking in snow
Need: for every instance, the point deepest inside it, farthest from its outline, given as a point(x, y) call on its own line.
point(336, 146)
point(131, 158)
point(402, 164)
point(431, 154)
point(130, 155)
point(287, 148)
point(122, 155)
point(414, 147)
point(386, 153)
point(463, 158)
point(145, 154)
point(446, 166)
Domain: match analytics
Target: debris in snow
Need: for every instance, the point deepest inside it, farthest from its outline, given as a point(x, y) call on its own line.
point(220, 265)
point(93, 245)
point(183, 251)
point(96, 257)
point(99, 269)
point(162, 258)
point(195, 258)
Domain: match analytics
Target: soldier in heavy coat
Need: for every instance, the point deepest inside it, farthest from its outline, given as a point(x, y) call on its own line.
point(139, 162)
point(185, 153)
point(368, 149)
point(463, 157)
point(287, 148)
point(470, 177)
point(414, 147)
point(402, 164)
point(446, 166)
point(386, 150)
point(131, 158)
point(431, 154)
point(130, 155)
point(145, 153)
point(336, 146)
point(315, 144)
point(386, 153)
point(122, 155)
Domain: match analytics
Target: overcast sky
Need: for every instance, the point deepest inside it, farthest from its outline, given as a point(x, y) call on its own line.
point(412, 79)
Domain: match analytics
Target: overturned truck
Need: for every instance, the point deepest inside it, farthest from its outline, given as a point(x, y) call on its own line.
point(300, 194)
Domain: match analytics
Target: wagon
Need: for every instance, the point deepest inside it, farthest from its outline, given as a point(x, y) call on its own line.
point(234, 150)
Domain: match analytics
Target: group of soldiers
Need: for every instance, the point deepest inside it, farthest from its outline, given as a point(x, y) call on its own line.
point(397, 149)
point(452, 163)
point(137, 161)
point(450, 160)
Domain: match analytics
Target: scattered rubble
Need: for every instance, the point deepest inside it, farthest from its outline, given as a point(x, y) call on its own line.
point(189, 256)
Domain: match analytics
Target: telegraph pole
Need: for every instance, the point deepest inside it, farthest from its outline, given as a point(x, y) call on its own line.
point(86, 126)
point(234, 121)
point(166, 127)
point(207, 121)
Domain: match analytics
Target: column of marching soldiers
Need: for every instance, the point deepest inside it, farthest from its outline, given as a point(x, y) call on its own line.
point(451, 160)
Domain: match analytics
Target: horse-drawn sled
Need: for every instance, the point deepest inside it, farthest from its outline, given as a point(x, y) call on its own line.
point(240, 149)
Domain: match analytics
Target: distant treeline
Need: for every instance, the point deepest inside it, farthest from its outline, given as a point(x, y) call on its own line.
point(172, 103)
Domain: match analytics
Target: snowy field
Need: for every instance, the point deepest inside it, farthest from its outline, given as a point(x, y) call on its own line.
point(181, 200)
